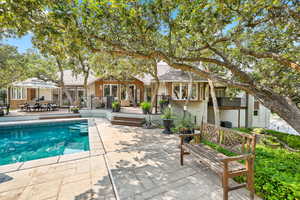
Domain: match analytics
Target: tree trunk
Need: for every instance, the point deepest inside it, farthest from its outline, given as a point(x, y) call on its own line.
point(284, 107)
point(154, 74)
point(130, 95)
point(85, 83)
point(215, 103)
point(61, 82)
point(155, 92)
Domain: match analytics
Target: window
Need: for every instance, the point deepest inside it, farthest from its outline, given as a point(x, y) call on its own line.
point(18, 93)
point(111, 90)
point(201, 92)
point(114, 90)
point(255, 113)
point(126, 95)
point(106, 90)
point(148, 94)
point(180, 91)
point(220, 92)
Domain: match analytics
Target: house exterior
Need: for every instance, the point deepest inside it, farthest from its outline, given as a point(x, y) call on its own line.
point(241, 111)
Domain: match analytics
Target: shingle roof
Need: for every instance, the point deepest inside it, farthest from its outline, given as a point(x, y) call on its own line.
point(71, 79)
point(180, 76)
point(162, 68)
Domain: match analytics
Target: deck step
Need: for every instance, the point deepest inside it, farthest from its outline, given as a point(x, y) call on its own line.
point(134, 119)
point(128, 121)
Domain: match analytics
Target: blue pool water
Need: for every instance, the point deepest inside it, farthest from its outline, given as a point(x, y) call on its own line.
point(34, 141)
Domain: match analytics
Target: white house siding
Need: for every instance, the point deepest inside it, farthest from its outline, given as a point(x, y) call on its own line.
point(262, 120)
point(91, 90)
point(228, 115)
point(197, 109)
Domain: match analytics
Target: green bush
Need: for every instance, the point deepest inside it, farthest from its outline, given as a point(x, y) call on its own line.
point(145, 105)
point(167, 114)
point(292, 141)
point(277, 174)
point(185, 122)
point(115, 104)
point(163, 101)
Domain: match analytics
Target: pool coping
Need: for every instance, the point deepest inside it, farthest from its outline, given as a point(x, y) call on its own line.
point(95, 144)
point(43, 121)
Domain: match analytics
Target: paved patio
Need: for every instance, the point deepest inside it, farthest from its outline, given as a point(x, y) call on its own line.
point(142, 164)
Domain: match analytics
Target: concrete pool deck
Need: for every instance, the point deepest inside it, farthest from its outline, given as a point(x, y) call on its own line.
point(130, 164)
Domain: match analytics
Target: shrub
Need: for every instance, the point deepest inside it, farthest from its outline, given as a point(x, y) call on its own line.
point(167, 114)
point(115, 105)
point(277, 173)
point(185, 123)
point(75, 109)
point(163, 101)
point(146, 106)
point(292, 141)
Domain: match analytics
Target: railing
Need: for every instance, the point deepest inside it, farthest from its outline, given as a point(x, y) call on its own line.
point(229, 102)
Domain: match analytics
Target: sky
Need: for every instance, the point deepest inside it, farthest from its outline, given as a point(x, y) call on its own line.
point(22, 43)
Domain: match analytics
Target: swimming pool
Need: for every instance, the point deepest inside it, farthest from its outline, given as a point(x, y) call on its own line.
point(19, 143)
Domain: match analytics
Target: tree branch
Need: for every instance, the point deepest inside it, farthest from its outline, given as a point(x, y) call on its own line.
point(276, 57)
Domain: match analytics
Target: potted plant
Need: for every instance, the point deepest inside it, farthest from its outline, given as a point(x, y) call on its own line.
point(186, 126)
point(75, 109)
point(116, 106)
point(167, 118)
point(163, 103)
point(146, 106)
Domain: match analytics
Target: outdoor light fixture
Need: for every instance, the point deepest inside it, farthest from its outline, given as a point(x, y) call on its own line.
point(169, 105)
point(185, 108)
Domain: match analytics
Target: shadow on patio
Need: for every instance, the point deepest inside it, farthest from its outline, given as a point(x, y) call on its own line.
point(145, 165)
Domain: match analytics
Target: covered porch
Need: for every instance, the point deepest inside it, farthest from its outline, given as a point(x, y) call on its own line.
point(31, 91)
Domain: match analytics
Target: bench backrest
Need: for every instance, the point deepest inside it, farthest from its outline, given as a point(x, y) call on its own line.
point(232, 140)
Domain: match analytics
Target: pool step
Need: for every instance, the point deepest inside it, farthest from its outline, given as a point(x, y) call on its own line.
point(128, 121)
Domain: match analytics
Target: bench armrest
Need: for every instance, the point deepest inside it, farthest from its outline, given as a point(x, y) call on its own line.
point(235, 158)
point(187, 135)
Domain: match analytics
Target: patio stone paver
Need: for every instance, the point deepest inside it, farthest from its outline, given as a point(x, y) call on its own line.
point(145, 166)
point(82, 179)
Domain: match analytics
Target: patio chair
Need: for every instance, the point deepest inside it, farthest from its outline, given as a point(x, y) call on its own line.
point(52, 107)
point(36, 107)
point(43, 107)
point(23, 107)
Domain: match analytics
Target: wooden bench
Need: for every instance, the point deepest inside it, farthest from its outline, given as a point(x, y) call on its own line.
point(242, 144)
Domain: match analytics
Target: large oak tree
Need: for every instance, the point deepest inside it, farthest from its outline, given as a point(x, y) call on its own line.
point(252, 45)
